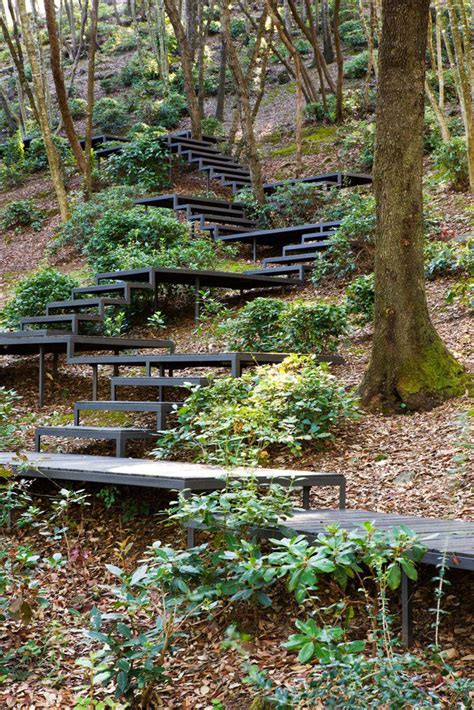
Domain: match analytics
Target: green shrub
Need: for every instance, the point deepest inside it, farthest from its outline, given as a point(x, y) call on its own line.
point(166, 113)
point(187, 252)
point(315, 111)
point(211, 126)
point(356, 67)
point(351, 247)
point(447, 258)
point(21, 213)
point(352, 33)
point(7, 423)
point(80, 226)
point(135, 227)
point(110, 114)
point(269, 324)
point(360, 299)
point(461, 292)
point(144, 162)
point(241, 420)
point(288, 205)
point(78, 108)
point(33, 293)
point(238, 27)
point(111, 84)
point(451, 159)
point(360, 137)
point(36, 158)
point(120, 39)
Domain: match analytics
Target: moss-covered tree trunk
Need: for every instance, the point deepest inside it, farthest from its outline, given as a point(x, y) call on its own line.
point(409, 363)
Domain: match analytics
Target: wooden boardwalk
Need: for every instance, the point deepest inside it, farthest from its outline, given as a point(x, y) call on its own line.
point(171, 475)
point(452, 539)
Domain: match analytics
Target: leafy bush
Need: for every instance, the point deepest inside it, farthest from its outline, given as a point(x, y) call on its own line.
point(315, 111)
point(110, 114)
point(269, 324)
point(361, 138)
point(360, 299)
point(451, 159)
point(461, 292)
point(80, 226)
point(78, 108)
point(211, 126)
point(127, 228)
point(143, 162)
point(356, 67)
point(21, 213)
point(351, 246)
point(7, 422)
point(165, 112)
point(33, 293)
point(187, 252)
point(352, 33)
point(445, 258)
point(120, 39)
point(238, 27)
point(288, 205)
point(240, 420)
point(36, 158)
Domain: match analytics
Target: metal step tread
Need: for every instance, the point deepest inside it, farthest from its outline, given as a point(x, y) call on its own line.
point(63, 317)
point(80, 431)
point(109, 288)
point(323, 244)
point(123, 405)
point(298, 269)
point(87, 303)
point(307, 256)
point(159, 381)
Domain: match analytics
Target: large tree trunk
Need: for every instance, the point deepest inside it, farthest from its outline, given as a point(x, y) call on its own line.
point(187, 66)
point(55, 58)
point(409, 365)
point(40, 100)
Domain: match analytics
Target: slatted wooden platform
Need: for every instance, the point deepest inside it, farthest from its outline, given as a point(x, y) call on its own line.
point(170, 475)
point(453, 539)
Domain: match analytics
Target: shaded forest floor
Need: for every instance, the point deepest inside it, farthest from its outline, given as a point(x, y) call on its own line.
point(414, 464)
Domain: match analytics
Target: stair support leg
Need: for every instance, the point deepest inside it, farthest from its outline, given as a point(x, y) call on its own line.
point(120, 447)
point(407, 610)
point(197, 304)
point(41, 373)
point(95, 382)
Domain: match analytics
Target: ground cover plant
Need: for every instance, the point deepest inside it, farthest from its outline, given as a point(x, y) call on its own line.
point(102, 604)
point(237, 421)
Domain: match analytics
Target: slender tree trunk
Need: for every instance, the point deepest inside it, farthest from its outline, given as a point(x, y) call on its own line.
point(58, 76)
point(340, 63)
point(13, 120)
point(90, 97)
point(242, 87)
point(328, 50)
point(51, 151)
point(187, 65)
point(16, 54)
point(409, 366)
point(221, 88)
point(463, 53)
